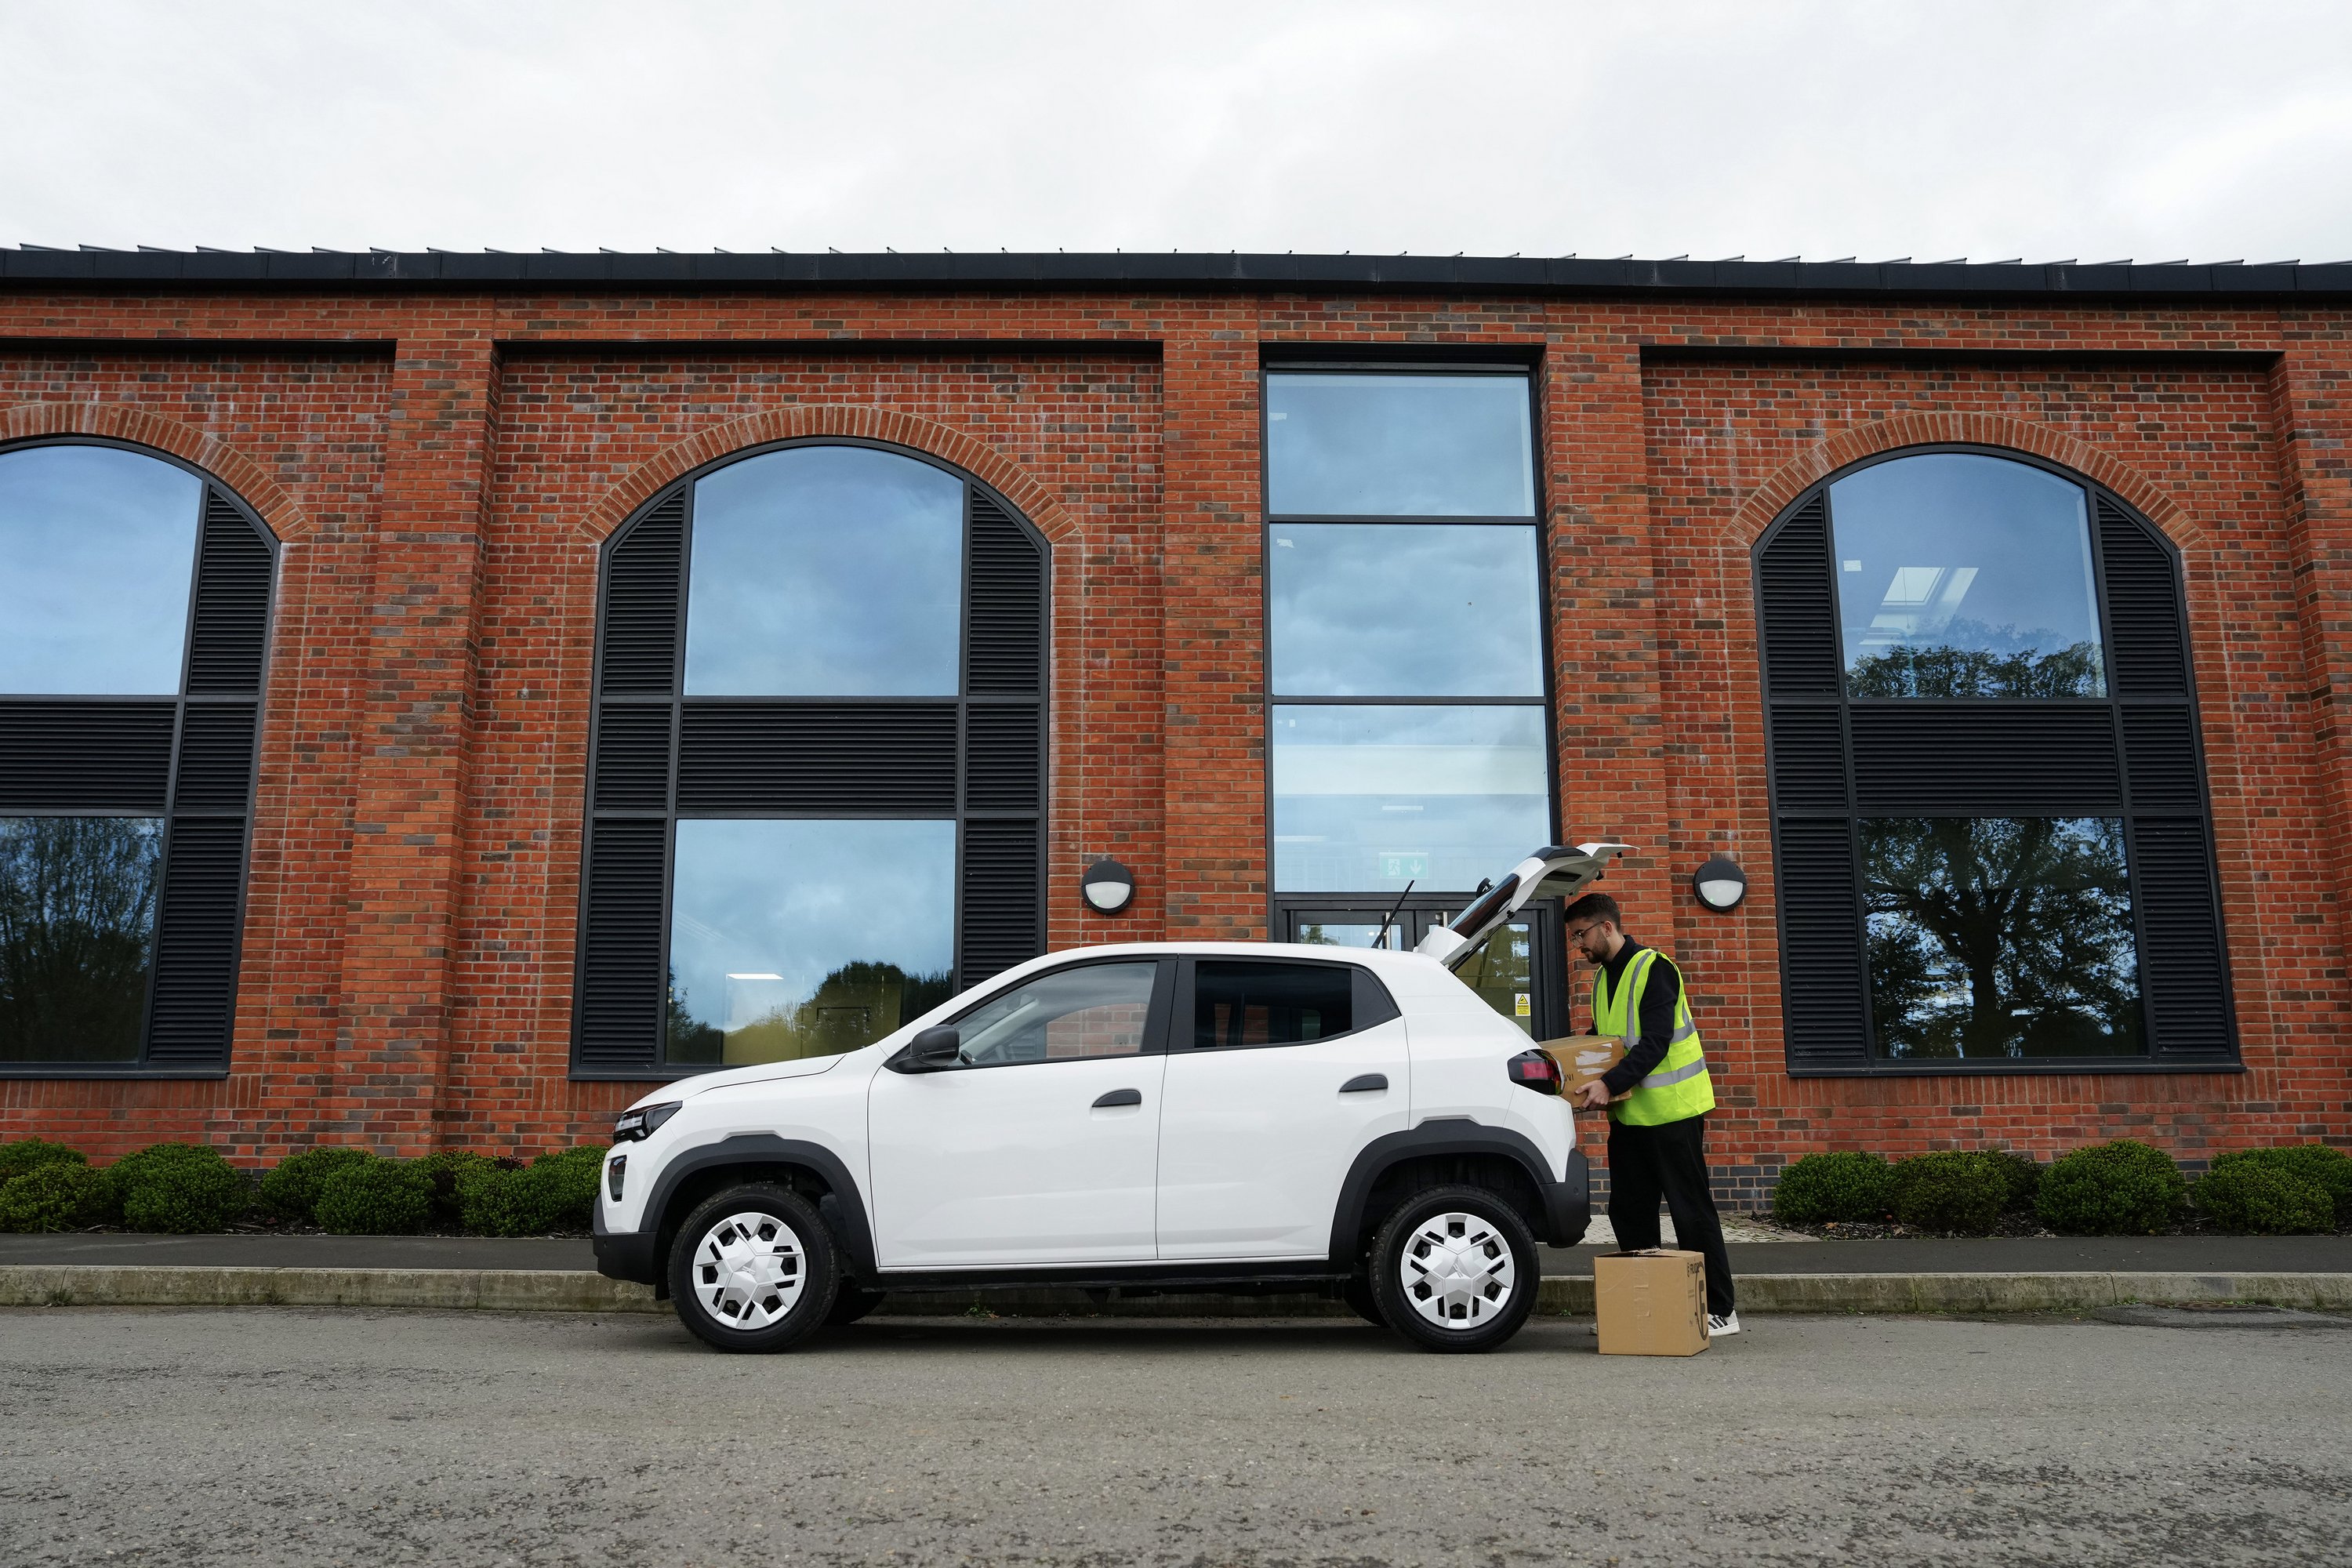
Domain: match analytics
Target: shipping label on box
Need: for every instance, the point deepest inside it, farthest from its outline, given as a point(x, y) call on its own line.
point(1582, 1058)
point(1650, 1303)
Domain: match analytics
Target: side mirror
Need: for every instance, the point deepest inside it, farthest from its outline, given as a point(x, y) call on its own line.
point(937, 1046)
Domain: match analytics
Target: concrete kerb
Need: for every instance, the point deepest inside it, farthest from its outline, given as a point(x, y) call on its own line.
point(553, 1291)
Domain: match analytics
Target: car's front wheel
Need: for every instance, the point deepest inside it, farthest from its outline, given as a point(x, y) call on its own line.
point(753, 1269)
point(1454, 1269)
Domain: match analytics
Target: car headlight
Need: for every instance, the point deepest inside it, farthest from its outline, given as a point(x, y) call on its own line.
point(641, 1122)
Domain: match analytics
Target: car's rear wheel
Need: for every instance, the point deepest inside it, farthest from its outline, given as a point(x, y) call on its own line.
point(753, 1269)
point(1454, 1269)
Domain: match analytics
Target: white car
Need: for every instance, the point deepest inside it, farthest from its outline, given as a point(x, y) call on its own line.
point(1238, 1117)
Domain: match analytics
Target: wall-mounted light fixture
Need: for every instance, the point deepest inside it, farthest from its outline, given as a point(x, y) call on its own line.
point(1108, 885)
point(1720, 884)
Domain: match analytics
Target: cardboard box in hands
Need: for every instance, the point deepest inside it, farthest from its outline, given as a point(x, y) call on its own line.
point(1582, 1058)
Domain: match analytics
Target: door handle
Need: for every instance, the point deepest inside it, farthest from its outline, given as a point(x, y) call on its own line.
point(1365, 1083)
point(1119, 1097)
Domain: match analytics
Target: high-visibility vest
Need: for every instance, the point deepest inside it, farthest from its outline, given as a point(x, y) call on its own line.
point(1678, 1087)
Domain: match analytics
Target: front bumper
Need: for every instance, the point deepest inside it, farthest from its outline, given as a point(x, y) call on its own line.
point(624, 1255)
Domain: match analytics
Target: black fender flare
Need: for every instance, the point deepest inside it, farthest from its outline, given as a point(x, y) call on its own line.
point(1566, 1205)
point(844, 1209)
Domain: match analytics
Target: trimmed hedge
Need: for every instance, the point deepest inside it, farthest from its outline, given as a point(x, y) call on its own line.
point(60, 1194)
point(293, 1184)
point(2123, 1188)
point(2265, 1200)
point(1845, 1185)
point(178, 1189)
point(554, 1192)
point(2020, 1174)
point(31, 1154)
point(2330, 1169)
point(443, 1169)
point(375, 1197)
point(1950, 1191)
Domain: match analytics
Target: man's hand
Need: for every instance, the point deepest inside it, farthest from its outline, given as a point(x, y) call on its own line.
point(1592, 1096)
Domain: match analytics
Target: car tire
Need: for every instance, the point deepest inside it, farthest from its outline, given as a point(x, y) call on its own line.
point(849, 1304)
point(1455, 1269)
point(1356, 1291)
point(753, 1269)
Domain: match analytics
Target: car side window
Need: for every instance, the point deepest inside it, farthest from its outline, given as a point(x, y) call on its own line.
point(1093, 1010)
point(1243, 1003)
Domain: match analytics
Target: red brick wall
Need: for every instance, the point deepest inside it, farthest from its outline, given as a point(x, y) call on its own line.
point(442, 468)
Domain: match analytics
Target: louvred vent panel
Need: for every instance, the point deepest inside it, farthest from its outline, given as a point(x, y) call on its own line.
point(1809, 758)
point(641, 602)
point(2145, 637)
point(1826, 1009)
point(633, 756)
point(215, 758)
point(2182, 980)
point(622, 985)
point(817, 756)
point(2161, 747)
point(1799, 618)
point(231, 630)
point(1004, 764)
point(1007, 596)
point(196, 944)
point(1001, 897)
point(1985, 758)
point(84, 756)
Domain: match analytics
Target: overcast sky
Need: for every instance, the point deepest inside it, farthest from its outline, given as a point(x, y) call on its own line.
point(1986, 129)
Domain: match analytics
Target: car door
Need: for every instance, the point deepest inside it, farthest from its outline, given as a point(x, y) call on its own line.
point(1278, 1072)
point(1041, 1145)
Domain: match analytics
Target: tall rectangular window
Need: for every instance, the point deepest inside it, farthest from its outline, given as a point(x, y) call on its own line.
point(1408, 746)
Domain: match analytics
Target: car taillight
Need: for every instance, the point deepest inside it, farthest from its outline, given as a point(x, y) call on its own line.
point(1535, 1071)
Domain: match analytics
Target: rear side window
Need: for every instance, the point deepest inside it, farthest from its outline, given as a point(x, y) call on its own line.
point(1246, 1003)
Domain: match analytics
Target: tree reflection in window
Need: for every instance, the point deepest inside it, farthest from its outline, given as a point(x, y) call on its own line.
point(2000, 938)
point(76, 936)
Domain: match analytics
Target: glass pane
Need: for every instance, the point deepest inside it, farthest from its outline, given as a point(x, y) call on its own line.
point(98, 547)
point(826, 571)
point(1341, 445)
point(1316, 931)
point(1246, 1004)
point(806, 939)
point(1097, 1010)
point(2000, 936)
point(77, 931)
point(1502, 970)
point(1404, 609)
point(1965, 576)
point(1375, 796)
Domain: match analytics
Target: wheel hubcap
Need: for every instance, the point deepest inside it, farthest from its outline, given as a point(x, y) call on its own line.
point(1457, 1270)
point(749, 1270)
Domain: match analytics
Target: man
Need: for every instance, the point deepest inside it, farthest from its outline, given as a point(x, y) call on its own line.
point(1658, 1097)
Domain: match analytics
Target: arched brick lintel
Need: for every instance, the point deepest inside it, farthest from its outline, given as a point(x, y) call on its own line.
point(1852, 445)
point(949, 444)
point(236, 472)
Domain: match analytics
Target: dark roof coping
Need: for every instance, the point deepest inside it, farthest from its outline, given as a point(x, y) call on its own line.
point(1172, 270)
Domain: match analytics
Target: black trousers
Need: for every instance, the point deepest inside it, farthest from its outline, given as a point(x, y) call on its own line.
point(1668, 1160)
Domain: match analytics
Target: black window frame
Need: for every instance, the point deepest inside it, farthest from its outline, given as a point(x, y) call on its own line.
point(207, 792)
point(1284, 908)
point(1818, 793)
point(812, 757)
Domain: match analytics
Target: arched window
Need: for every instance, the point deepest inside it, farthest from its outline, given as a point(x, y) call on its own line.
point(818, 781)
point(134, 617)
point(1989, 804)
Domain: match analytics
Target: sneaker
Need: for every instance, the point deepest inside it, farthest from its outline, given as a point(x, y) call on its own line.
point(1729, 1324)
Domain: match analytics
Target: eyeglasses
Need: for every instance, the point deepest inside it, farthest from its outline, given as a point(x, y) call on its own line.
point(1578, 934)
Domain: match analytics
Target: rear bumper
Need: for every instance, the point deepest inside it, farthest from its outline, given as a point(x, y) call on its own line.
point(624, 1255)
point(1567, 1203)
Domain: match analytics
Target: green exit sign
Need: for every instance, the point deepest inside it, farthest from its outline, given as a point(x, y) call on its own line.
point(1413, 863)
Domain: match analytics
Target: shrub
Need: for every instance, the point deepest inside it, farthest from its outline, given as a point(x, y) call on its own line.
point(553, 1193)
point(443, 1169)
point(1844, 1186)
point(375, 1197)
point(2019, 1175)
point(61, 1195)
point(1949, 1191)
point(2123, 1188)
point(292, 1185)
point(2330, 1168)
point(30, 1154)
point(2265, 1199)
point(179, 1188)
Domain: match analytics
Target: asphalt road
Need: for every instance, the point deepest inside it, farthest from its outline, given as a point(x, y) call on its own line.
point(284, 1435)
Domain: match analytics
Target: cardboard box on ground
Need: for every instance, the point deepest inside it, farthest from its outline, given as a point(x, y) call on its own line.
point(1582, 1058)
point(1650, 1303)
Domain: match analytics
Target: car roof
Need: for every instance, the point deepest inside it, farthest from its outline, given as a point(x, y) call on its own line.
point(1379, 959)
